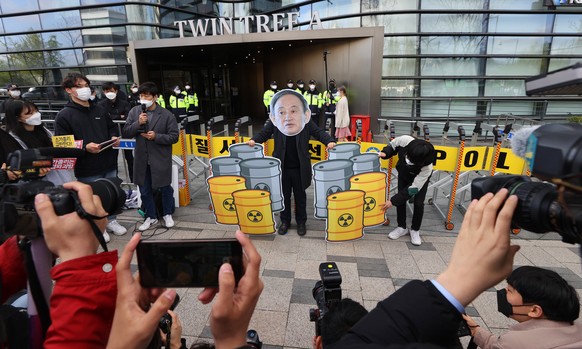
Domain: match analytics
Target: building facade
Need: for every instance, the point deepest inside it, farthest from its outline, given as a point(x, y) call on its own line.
point(439, 59)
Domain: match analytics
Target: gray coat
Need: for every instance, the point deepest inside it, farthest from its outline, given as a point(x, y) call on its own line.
point(158, 151)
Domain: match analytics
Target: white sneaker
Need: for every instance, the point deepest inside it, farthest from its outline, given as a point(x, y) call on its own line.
point(398, 232)
point(415, 237)
point(147, 224)
point(116, 228)
point(168, 220)
point(106, 236)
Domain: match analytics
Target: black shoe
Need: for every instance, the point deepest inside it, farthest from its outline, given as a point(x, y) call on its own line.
point(301, 229)
point(283, 228)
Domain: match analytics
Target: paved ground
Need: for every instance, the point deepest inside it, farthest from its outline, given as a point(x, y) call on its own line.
point(372, 268)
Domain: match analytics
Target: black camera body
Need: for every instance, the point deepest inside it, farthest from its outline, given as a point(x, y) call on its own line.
point(253, 339)
point(327, 293)
point(554, 154)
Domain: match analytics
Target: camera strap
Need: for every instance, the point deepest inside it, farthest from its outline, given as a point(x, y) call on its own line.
point(91, 219)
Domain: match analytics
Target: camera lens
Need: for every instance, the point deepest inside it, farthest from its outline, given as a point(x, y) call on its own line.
point(537, 209)
point(110, 193)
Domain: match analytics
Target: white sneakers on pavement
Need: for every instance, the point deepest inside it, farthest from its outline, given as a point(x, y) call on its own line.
point(415, 237)
point(168, 221)
point(398, 232)
point(147, 224)
point(116, 228)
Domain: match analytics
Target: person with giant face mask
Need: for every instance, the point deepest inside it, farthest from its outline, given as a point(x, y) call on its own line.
point(291, 127)
point(545, 307)
point(90, 124)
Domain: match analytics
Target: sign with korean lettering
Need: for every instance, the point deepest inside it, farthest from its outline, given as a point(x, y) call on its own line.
point(64, 164)
point(67, 141)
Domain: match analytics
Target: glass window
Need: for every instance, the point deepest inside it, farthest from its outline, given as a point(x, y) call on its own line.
point(97, 2)
point(517, 4)
point(26, 60)
point(4, 75)
point(396, 108)
point(392, 23)
point(451, 45)
point(455, 5)
point(559, 63)
point(142, 32)
point(448, 108)
point(336, 8)
point(59, 20)
point(462, 22)
point(449, 88)
point(568, 24)
point(104, 35)
point(505, 88)
point(564, 108)
point(63, 58)
point(353, 22)
point(513, 107)
point(143, 14)
point(1, 28)
point(24, 42)
point(21, 24)
point(514, 66)
point(99, 74)
point(105, 55)
point(567, 46)
point(518, 23)
point(44, 5)
point(399, 67)
point(103, 15)
point(397, 88)
point(449, 66)
point(31, 77)
point(515, 45)
point(400, 45)
point(64, 39)
point(19, 6)
point(388, 5)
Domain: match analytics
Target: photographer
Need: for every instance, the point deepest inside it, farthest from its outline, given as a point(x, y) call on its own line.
point(427, 314)
point(337, 322)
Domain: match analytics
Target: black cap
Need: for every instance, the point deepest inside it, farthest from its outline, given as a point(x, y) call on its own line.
point(299, 81)
point(289, 81)
point(312, 82)
point(273, 82)
point(11, 86)
point(332, 81)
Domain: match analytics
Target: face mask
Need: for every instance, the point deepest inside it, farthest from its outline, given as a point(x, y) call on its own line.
point(15, 93)
point(177, 92)
point(34, 120)
point(274, 87)
point(111, 95)
point(84, 93)
point(503, 305)
point(92, 98)
point(301, 86)
point(290, 85)
point(147, 102)
point(134, 90)
point(187, 87)
point(312, 87)
point(408, 162)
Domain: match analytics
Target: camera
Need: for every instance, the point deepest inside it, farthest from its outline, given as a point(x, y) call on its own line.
point(17, 214)
point(165, 323)
point(253, 339)
point(554, 154)
point(327, 293)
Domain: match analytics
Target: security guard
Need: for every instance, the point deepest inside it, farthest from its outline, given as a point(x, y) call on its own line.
point(179, 102)
point(192, 98)
point(300, 87)
point(268, 95)
point(330, 97)
point(315, 101)
point(290, 84)
point(161, 101)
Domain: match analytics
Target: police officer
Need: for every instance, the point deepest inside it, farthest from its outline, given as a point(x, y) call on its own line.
point(179, 102)
point(133, 97)
point(315, 101)
point(330, 97)
point(300, 87)
point(268, 95)
point(290, 84)
point(192, 98)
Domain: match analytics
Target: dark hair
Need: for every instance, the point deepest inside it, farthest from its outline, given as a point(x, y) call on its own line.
point(421, 152)
point(343, 89)
point(547, 289)
point(202, 345)
point(340, 319)
point(148, 88)
point(38, 138)
point(70, 80)
point(109, 85)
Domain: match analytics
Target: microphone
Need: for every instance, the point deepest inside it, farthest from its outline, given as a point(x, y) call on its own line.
point(144, 127)
point(519, 140)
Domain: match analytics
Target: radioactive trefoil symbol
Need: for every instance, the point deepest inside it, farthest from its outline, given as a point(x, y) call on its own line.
point(369, 203)
point(254, 216)
point(228, 204)
point(262, 186)
point(345, 220)
point(334, 189)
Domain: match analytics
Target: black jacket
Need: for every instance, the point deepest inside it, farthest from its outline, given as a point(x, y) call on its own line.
point(116, 108)
point(415, 316)
point(90, 124)
point(310, 130)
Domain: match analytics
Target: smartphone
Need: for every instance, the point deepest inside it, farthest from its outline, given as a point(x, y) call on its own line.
point(187, 263)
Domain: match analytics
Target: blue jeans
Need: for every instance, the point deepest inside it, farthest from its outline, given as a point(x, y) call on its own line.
point(147, 197)
point(93, 178)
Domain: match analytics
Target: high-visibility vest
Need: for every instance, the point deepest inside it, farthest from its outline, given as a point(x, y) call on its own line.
point(193, 99)
point(267, 96)
point(333, 98)
point(161, 102)
point(179, 101)
point(313, 99)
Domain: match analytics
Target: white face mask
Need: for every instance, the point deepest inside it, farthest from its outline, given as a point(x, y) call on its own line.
point(187, 87)
point(274, 87)
point(15, 93)
point(177, 92)
point(111, 95)
point(301, 86)
point(34, 120)
point(84, 93)
point(92, 98)
point(147, 102)
point(290, 85)
point(134, 90)
point(312, 87)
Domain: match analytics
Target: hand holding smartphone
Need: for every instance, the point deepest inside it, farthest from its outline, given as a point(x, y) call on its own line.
point(187, 263)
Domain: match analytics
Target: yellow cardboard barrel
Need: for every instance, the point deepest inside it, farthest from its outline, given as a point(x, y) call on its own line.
point(374, 185)
point(253, 209)
point(221, 189)
point(345, 215)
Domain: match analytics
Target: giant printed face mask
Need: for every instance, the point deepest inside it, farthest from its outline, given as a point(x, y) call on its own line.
point(289, 113)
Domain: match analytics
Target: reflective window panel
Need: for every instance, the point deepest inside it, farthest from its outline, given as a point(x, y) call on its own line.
point(514, 66)
point(514, 107)
point(449, 88)
point(453, 4)
point(14, 6)
point(457, 66)
point(49, 4)
point(60, 20)
point(399, 67)
point(21, 23)
point(502, 88)
point(448, 108)
point(400, 45)
point(462, 22)
point(65, 38)
point(396, 108)
point(515, 45)
point(451, 44)
point(397, 88)
point(406, 23)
